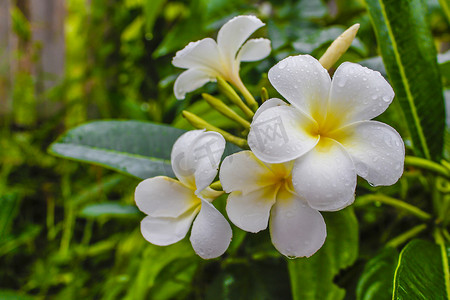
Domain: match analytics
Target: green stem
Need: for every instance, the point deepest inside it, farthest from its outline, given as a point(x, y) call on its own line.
point(404, 237)
point(444, 256)
point(426, 164)
point(199, 123)
point(223, 109)
point(231, 94)
point(247, 95)
point(395, 203)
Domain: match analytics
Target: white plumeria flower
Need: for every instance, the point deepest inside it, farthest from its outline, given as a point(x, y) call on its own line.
point(206, 60)
point(261, 192)
point(327, 131)
point(173, 205)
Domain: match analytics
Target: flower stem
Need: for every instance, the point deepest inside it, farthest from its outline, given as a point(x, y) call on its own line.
point(363, 200)
point(264, 94)
point(222, 108)
point(426, 164)
point(231, 94)
point(247, 95)
point(404, 237)
point(199, 123)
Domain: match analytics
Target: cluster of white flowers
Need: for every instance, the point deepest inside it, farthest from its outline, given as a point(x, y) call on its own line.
point(305, 155)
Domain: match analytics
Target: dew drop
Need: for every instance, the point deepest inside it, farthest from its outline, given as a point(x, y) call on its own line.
point(342, 82)
point(386, 98)
point(282, 64)
point(374, 97)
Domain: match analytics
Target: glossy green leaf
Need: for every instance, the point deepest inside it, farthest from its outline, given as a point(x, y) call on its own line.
point(422, 272)
point(312, 278)
point(109, 209)
point(376, 280)
point(140, 149)
point(408, 52)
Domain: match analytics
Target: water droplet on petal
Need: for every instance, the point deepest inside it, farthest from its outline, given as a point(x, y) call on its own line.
point(282, 64)
point(386, 99)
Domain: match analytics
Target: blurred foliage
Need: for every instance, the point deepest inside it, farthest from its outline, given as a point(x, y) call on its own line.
point(70, 231)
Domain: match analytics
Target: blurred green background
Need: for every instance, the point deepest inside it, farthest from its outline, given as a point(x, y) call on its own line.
point(71, 230)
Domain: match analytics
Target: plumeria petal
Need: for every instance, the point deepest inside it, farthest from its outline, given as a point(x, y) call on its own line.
point(164, 231)
point(211, 233)
point(268, 104)
point(377, 151)
point(325, 176)
point(296, 229)
point(234, 33)
point(182, 160)
point(207, 151)
point(357, 93)
point(244, 172)
point(196, 156)
point(254, 49)
point(191, 80)
point(304, 83)
point(280, 134)
point(164, 197)
point(251, 211)
point(199, 54)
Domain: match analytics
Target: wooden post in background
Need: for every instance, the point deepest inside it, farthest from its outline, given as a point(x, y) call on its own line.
point(42, 57)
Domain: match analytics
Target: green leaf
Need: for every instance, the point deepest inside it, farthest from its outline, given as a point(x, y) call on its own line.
point(151, 10)
point(447, 128)
point(187, 30)
point(140, 149)
point(422, 272)
point(312, 278)
point(9, 204)
point(14, 295)
point(110, 209)
point(408, 52)
point(444, 64)
point(375, 282)
point(154, 261)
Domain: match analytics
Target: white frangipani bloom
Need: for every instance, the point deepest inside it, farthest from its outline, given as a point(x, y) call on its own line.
point(327, 131)
point(206, 60)
point(173, 205)
point(262, 193)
